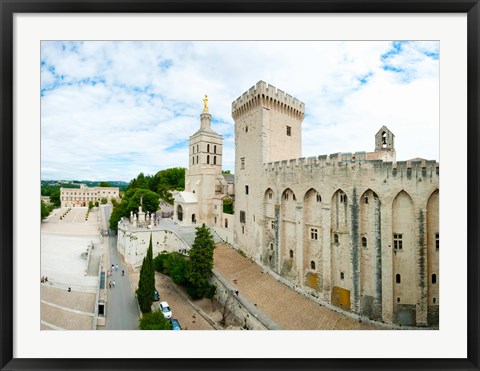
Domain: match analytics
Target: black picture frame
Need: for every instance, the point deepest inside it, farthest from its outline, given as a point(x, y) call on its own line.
point(9, 8)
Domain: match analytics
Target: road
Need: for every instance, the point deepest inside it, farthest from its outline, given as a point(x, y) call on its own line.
point(122, 310)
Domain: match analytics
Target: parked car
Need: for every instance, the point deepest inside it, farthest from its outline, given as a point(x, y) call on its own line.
point(165, 309)
point(156, 295)
point(175, 324)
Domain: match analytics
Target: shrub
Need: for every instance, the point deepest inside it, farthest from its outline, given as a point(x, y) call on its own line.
point(154, 321)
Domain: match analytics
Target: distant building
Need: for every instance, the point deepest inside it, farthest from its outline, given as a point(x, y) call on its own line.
point(72, 197)
point(46, 200)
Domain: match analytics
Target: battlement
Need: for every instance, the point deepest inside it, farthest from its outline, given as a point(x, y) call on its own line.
point(267, 96)
point(358, 158)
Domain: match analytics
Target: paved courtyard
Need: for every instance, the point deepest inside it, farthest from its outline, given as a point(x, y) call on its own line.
point(62, 243)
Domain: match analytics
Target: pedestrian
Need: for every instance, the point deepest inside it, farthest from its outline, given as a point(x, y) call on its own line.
point(236, 292)
point(116, 267)
point(123, 272)
point(46, 279)
point(69, 289)
point(113, 283)
point(42, 279)
point(110, 285)
point(113, 267)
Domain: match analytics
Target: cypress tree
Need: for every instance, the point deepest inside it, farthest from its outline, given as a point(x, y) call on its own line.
point(200, 263)
point(146, 283)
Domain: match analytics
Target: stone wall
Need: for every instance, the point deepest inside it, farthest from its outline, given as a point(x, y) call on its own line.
point(133, 244)
point(243, 311)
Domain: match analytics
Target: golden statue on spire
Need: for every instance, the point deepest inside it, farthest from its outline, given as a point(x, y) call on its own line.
point(205, 103)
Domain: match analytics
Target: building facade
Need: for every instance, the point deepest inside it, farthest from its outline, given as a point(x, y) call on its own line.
point(75, 197)
point(357, 230)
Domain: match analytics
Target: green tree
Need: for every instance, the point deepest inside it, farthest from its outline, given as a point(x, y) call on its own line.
point(96, 203)
point(44, 209)
point(114, 202)
point(154, 321)
point(90, 205)
point(55, 197)
point(103, 200)
point(150, 200)
point(225, 171)
point(200, 264)
point(228, 205)
point(104, 184)
point(146, 284)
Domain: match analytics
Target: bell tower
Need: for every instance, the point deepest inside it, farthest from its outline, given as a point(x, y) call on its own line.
point(205, 164)
point(385, 143)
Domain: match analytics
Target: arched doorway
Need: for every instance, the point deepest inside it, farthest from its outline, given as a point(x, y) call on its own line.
point(179, 213)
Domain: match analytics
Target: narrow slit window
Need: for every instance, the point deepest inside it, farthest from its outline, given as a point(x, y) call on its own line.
point(398, 278)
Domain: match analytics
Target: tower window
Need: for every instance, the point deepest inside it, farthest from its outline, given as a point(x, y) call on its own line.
point(197, 159)
point(242, 216)
point(398, 300)
point(437, 241)
point(270, 195)
point(193, 149)
point(434, 300)
point(319, 199)
point(398, 279)
point(335, 238)
point(291, 254)
point(397, 241)
point(434, 278)
point(214, 160)
point(366, 199)
point(214, 149)
point(242, 163)
point(342, 275)
point(384, 140)
point(246, 189)
point(243, 229)
point(343, 198)
point(193, 160)
point(289, 131)
point(271, 245)
point(272, 224)
point(314, 233)
point(208, 147)
point(197, 149)
point(226, 223)
point(364, 242)
point(312, 264)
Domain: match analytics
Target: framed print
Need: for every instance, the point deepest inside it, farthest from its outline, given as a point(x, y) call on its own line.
point(271, 167)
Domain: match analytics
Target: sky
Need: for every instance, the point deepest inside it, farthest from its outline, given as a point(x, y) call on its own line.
point(113, 109)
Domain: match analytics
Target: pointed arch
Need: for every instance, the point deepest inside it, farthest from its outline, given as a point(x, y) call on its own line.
point(370, 234)
point(313, 236)
point(433, 251)
point(404, 257)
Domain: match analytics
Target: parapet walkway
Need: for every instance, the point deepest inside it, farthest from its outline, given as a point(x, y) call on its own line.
point(281, 304)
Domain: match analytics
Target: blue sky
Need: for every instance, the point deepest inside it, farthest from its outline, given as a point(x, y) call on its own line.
point(110, 110)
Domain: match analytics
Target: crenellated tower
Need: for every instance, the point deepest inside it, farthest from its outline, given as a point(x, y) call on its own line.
point(267, 128)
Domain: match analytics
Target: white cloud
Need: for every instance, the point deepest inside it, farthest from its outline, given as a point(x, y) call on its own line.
point(113, 109)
